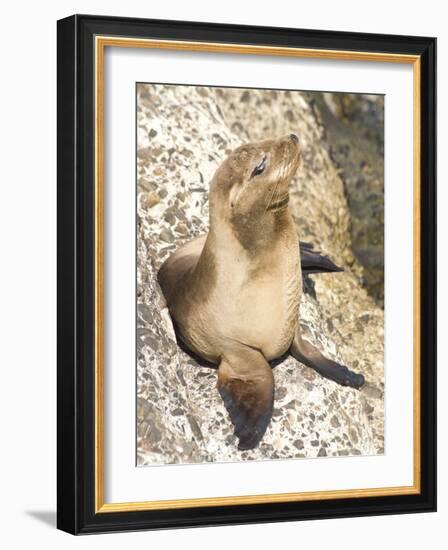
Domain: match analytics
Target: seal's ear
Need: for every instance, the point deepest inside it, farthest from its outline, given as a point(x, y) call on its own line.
point(234, 194)
point(246, 385)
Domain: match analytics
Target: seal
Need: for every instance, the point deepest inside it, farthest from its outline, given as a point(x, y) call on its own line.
point(234, 294)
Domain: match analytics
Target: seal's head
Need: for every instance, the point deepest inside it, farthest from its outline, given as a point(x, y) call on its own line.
point(250, 188)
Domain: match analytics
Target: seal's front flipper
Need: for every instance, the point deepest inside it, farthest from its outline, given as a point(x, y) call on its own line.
point(312, 261)
point(310, 356)
point(246, 385)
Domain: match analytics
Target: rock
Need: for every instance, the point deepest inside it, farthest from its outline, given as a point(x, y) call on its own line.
point(183, 134)
point(353, 127)
point(149, 199)
point(166, 235)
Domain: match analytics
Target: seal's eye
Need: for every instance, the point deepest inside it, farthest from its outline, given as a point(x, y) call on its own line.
point(260, 168)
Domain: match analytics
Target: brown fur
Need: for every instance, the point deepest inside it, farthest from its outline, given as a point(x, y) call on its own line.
point(234, 295)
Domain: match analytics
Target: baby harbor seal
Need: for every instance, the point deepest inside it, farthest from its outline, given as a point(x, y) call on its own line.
point(234, 293)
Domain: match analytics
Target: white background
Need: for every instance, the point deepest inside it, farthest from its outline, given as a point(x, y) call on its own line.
point(28, 271)
point(124, 482)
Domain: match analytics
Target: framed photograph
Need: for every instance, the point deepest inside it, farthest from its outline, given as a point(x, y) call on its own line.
point(246, 274)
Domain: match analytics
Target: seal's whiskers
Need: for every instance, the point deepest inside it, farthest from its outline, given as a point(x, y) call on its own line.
point(272, 195)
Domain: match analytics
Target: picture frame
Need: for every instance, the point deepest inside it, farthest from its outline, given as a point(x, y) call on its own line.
point(82, 42)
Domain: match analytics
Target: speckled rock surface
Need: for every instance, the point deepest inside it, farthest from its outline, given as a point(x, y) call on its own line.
point(183, 135)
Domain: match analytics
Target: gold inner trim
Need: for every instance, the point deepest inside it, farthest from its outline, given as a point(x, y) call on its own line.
point(250, 49)
point(101, 42)
point(417, 273)
point(99, 278)
point(255, 499)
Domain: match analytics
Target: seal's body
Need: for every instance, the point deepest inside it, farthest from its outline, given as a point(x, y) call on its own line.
point(225, 295)
point(234, 294)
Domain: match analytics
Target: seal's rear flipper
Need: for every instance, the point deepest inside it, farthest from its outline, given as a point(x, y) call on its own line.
point(312, 261)
point(310, 356)
point(246, 385)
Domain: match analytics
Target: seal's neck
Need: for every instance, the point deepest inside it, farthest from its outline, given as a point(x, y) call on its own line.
point(254, 235)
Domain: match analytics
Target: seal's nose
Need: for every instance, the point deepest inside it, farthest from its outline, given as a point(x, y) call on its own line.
point(293, 137)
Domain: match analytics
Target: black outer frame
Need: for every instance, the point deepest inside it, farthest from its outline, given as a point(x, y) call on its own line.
point(75, 172)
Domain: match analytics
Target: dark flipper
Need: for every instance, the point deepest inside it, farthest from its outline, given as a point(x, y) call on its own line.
point(246, 385)
point(313, 261)
point(306, 246)
point(310, 356)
